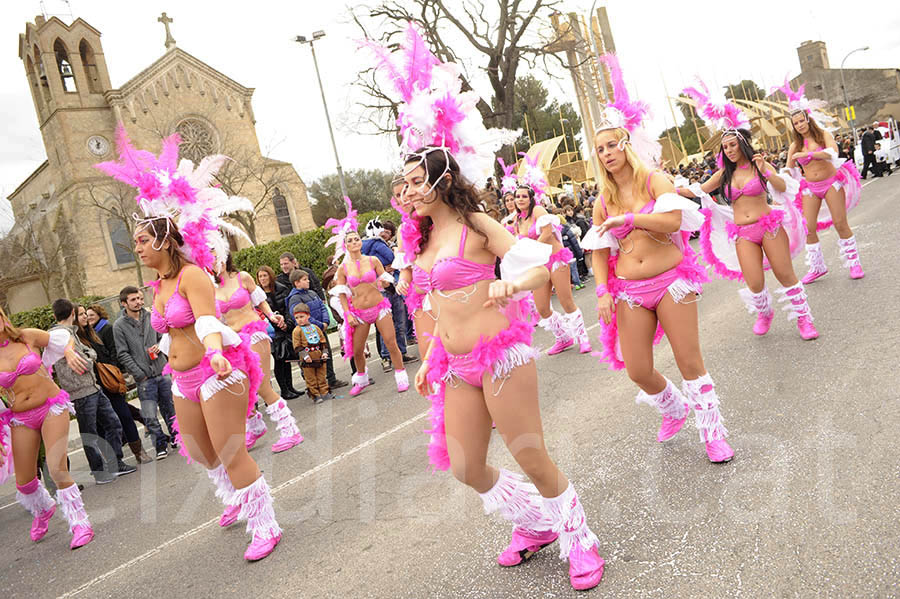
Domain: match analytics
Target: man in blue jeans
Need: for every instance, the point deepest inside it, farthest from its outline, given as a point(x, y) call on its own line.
point(376, 244)
point(138, 353)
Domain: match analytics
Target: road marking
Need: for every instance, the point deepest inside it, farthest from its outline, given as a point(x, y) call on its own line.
point(148, 554)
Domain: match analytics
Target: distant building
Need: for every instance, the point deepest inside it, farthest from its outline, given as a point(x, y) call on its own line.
point(73, 223)
point(874, 93)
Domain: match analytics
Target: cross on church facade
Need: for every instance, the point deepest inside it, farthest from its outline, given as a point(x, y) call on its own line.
point(165, 20)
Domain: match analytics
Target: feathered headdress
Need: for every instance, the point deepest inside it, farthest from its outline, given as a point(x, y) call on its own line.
point(533, 176)
point(173, 189)
point(433, 110)
point(797, 101)
point(340, 228)
point(509, 180)
point(623, 113)
point(717, 112)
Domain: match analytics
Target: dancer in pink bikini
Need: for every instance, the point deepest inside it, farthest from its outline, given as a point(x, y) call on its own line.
point(824, 177)
point(534, 222)
point(359, 280)
point(648, 277)
point(742, 239)
point(237, 299)
point(214, 370)
point(39, 411)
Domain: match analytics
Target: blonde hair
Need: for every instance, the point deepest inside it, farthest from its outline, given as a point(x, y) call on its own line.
point(608, 188)
point(12, 332)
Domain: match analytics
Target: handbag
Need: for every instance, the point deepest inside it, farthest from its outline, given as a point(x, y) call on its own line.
point(111, 378)
point(283, 349)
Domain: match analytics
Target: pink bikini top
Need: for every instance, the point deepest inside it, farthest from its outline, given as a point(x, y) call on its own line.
point(807, 159)
point(456, 272)
point(420, 278)
point(532, 233)
point(177, 312)
point(625, 230)
point(753, 187)
point(28, 364)
point(367, 277)
point(238, 299)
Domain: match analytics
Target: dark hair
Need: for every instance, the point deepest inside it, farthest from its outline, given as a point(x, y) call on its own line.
point(457, 193)
point(300, 307)
point(287, 255)
point(728, 167)
point(531, 201)
point(814, 130)
point(100, 310)
point(126, 291)
point(86, 333)
point(62, 309)
point(229, 264)
point(268, 270)
point(164, 229)
point(389, 225)
point(297, 274)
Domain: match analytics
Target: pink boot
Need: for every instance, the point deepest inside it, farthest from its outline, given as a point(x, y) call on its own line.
point(576, 330)
point(256, 507)
point(701, 394)
point(225, 492)
point(577, 542)
point(850, 256)
point(35, 498)
point(289, 434)
point(360, 381)
point(799, 310)
point(73, 508)
point(402, 380)
point(555, 325)
point(761, 304)
point(816, 262)
point(518, 502)
point(256, 428)
point(671, 404)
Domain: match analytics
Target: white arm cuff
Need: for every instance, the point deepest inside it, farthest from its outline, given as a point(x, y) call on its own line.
point(524, 255)
point(207, 325)
point(386, 278)
point(258, 296)
point(335, 303)
point(547, 219)
point(340, 290)
point(400, 262)
point(691, 218)
point(56, 348)
point(594, 241)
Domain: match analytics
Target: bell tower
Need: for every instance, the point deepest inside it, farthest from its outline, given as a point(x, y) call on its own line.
point(67, 76)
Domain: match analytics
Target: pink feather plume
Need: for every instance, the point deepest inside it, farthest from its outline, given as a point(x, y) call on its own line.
point(634, 112)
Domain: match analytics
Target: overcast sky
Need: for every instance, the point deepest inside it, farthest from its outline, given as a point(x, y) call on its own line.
point(251, 43)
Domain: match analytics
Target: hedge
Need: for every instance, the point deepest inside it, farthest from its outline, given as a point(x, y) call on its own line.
point(308, 247)
point(42, 316)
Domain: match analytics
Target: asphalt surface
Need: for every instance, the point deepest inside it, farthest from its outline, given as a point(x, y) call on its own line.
point(808, 507)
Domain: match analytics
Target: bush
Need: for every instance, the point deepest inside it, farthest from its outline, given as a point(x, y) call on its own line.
point(308, 247)
point(42, 316)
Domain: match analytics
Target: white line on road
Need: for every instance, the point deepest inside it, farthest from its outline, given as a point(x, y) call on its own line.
point(281, 487)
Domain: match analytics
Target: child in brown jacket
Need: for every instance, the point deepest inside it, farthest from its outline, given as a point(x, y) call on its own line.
point(309, 343)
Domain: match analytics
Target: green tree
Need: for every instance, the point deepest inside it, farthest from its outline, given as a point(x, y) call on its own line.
point(369, 189)
point(545, 119)
point(737, 91)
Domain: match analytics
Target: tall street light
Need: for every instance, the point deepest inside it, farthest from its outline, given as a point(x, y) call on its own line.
point(846, 101)
point(303, 40)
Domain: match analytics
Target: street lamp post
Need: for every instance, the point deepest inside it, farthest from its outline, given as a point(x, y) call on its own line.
point(303, 40)
point(846, 101)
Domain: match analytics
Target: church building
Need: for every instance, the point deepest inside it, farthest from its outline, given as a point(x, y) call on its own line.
point(73, 224)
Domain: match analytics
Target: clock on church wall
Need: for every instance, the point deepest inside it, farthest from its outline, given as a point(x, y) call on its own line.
point(98, 145)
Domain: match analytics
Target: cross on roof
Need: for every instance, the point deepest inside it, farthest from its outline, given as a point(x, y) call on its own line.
point(165, 20)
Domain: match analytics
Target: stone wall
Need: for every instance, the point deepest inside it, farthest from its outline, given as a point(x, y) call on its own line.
point(874, 93)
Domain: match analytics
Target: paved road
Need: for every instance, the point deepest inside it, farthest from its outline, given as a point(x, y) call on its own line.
point(808, 507)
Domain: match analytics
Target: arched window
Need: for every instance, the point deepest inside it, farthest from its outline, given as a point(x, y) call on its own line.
point(282, 214)
point(42, 75)
point(120, 239)
point(34, 81)
point(89, 61)
point(65, 66)
point(197, 139)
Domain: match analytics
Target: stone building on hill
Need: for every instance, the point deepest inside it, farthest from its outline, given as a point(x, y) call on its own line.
point(73, 224)
point(874, 93)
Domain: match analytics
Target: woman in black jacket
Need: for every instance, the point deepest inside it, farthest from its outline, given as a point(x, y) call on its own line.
point(106, 354)
point(282, 346)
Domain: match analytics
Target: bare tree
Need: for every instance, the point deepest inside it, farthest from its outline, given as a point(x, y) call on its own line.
point(38, 246)
point(115, 200)
point(502, 36)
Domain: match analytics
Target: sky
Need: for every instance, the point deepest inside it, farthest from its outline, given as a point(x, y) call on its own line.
point(255, 48)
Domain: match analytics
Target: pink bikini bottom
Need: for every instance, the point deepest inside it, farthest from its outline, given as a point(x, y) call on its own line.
point(373, 314)
point(820, 188)
point(467, 368)
point(34, 418)
point(756, 232)
point(256, 330)
point(560, 259)
point(648, 293)
point(201, 382)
